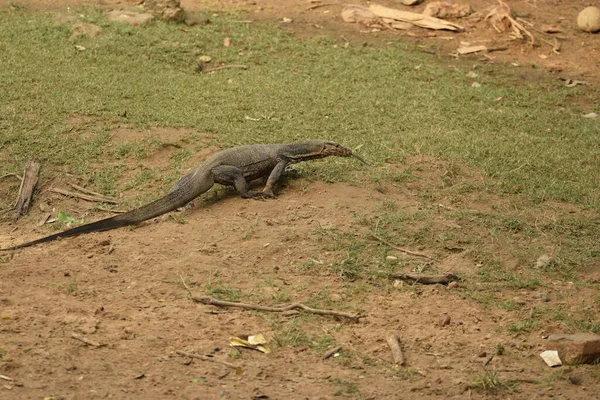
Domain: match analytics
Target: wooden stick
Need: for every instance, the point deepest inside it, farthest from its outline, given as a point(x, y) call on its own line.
point(84, 196)
point(205, 358)
point(331, 352)
point(226, 67)
point(6, 378)
point(100, 208)
point(30, 178)
point(394, 343)
point(442, 279)
point(321, 5)
point(86, 340)
point(405, 251)
point(87, 191)
point(221, 303)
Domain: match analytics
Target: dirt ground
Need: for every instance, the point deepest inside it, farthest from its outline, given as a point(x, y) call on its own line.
point(122, 288)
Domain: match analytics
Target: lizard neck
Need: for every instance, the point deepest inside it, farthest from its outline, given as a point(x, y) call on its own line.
point(302, 151)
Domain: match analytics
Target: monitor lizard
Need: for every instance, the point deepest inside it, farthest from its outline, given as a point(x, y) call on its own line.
point(235, 167)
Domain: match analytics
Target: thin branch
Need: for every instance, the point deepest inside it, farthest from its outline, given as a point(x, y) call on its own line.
point(221, 303)
point(86, 191)
point(405, 251)
point(86, 340)
point(83, 196)
point(100, 208)
point(205, 358)
point(225, 67)
point(186, 287)
point(442, 279)
point(19, 177)
point(321, 5)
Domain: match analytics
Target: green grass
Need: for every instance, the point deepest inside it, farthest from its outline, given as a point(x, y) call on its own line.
point(390, 100)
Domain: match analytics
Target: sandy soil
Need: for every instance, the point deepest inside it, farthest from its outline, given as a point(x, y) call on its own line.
point(122, 289)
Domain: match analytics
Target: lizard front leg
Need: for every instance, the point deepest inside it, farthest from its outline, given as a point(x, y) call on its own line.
point(274, 177)
point(233, 176)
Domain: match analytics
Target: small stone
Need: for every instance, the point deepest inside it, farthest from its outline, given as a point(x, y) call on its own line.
point(453, 285)
point(167, 10)
point(391, 259)
point(445, 321)
point(551, 358)
point(205, 59)
point(130, 17)
point(579, 348)
point(227, 42)
point(286, 20)
point(590, 115)
point(472, 74)
point(588, 19)
point(476, 85)
point(543, 261)
point(575, 380)
point(543, 296)
point(482, 354)
point(192, 19)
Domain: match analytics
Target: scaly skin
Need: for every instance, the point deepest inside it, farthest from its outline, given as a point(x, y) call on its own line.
point(232, 167)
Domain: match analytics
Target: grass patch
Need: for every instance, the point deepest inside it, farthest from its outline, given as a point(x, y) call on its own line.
point(296, 89)
point(489, 381)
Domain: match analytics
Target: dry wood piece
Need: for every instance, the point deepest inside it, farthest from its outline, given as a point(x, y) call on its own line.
point(221, 303)
point(394, 343)
point(331, 352)
point(405, 251)
point(501, 20)
point(86, 340)
point(424, 21)
point(86, 197)
point(30, 178)
point(205, 358)
point(442, 279)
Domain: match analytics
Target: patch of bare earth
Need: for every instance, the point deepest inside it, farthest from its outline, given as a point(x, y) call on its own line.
point(121, 289)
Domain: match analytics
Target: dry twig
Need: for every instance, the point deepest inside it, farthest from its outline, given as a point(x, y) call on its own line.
point(19, 177)
point(442, 279)
point(86, 340)
point(205, 358)
point(394, 343)
point(221, 303)
point(225, 67)
point(88, 191)
point(405, 251)
point(83, 196)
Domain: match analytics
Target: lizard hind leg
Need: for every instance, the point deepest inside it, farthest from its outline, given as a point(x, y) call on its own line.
point(232, 176)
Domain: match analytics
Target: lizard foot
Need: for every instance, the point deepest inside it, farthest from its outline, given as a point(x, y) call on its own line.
point(251, 194)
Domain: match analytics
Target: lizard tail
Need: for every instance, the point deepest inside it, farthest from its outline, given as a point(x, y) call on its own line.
point(190, 187)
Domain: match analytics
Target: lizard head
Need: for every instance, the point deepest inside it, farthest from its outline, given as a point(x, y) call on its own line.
point(335, 149)
point(318, 149)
